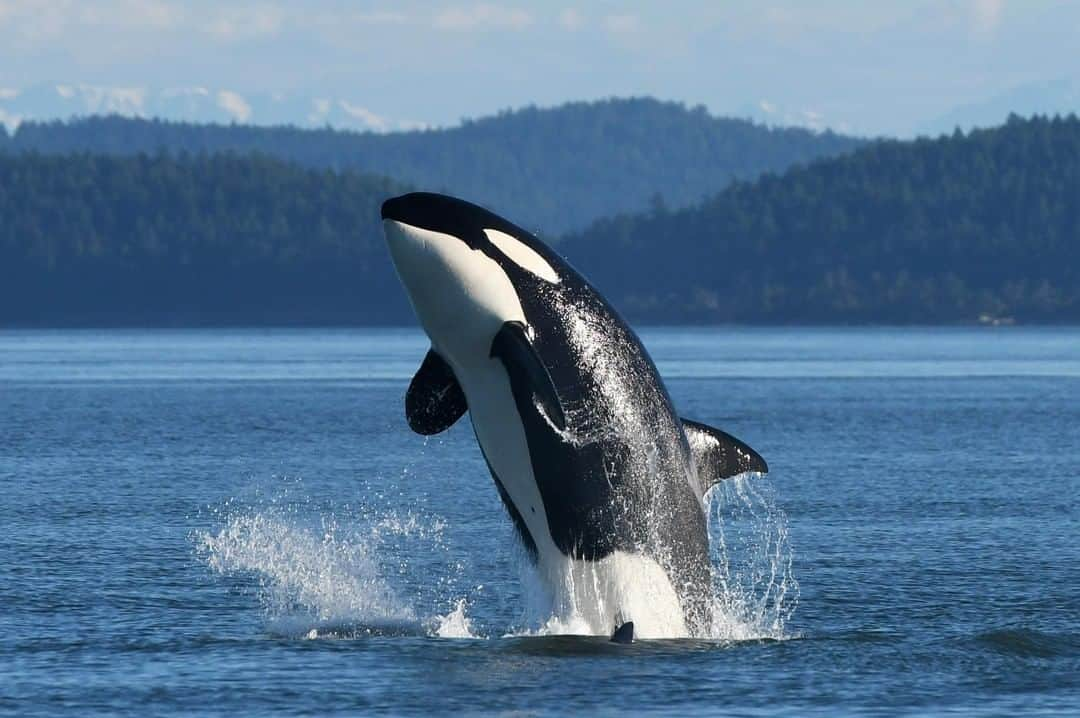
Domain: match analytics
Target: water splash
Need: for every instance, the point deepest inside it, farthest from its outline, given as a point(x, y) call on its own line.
point(455, 624)
point(756, 592)
point(323, 575)
point(586, 597)
point(320, 577)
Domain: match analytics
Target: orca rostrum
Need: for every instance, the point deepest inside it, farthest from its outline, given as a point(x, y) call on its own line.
point(604, 482)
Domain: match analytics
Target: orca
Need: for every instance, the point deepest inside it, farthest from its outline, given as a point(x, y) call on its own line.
point(604, 482)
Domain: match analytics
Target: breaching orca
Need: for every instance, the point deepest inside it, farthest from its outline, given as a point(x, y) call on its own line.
point(604, 482)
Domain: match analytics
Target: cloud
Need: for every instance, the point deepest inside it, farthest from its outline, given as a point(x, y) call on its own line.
point(238, 23)
point(986, 15)
point(234, 104)
point(155, 14)
point(172, 92)
point(572, 20)
point(134, 14)
point(483, 17)
point(36, 19)
point(622, 24)
point(378, 18)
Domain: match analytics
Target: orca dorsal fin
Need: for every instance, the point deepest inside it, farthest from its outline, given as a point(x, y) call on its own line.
point(719, 455)
point(527, 372)
point(434, 400)
point(624, 633)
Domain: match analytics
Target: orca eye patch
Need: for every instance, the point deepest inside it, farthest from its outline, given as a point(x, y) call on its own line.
point(523, 255)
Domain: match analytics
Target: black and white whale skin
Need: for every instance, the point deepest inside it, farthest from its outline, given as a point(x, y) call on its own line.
point(603, 480)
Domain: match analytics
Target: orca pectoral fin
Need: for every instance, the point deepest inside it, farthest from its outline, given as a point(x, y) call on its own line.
point(719, 455)
point(624, 633)
point(527, 372)
point(434, 400)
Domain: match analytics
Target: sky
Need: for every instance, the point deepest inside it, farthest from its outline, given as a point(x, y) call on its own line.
point(880, 67)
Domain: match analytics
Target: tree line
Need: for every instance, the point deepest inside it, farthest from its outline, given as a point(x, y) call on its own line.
point(207, 239)
point(552, 169)
point(931, 231)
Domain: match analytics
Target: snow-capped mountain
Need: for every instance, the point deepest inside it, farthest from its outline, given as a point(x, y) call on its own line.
point(190, 104)
point(775, 115)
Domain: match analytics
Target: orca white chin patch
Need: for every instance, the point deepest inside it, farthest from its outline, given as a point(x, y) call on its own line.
point(523, 255)
point(461, 296)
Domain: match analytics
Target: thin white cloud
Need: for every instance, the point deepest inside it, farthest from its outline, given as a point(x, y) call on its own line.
point(986, 15)
point(622, 24)
point(378, 18)
point(571, 19)
point(135, 14)
point(238, 23)
point(234, 104)
point(170, 92)
point(39, 19)
point(156, 14)
point(34, 22)
point(482, 17)
point(782, 16)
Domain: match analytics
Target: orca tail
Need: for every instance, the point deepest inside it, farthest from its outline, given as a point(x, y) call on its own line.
point(624, 633)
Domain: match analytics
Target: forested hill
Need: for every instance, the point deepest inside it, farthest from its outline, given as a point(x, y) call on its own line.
point(927, 231)
point(162, 241)
point(552, 169)
point(930, 231)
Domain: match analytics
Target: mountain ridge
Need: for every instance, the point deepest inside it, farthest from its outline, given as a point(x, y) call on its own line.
point(553, 169)
point(926, 230)
point(200, 104)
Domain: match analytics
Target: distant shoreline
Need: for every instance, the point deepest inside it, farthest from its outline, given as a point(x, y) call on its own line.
point(271, 326)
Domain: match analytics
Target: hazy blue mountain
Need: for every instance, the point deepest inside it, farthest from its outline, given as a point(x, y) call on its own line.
point(930, 231)
point(1055, 97)
point(195, 104)
point(552, 170)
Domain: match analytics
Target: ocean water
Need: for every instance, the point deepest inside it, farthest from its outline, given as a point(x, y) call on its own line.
point(240, 522)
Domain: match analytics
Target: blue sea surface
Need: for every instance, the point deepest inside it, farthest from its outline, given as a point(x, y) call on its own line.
point(240, 522)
